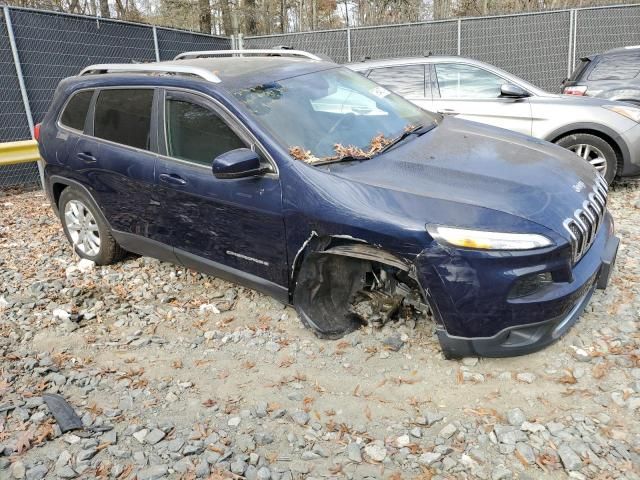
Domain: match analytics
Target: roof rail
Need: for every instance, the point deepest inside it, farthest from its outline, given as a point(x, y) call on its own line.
point(266, 52)
point(151, 68)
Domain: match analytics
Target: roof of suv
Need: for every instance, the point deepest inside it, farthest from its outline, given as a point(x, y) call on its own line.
point(385, 62)
point(234, 72)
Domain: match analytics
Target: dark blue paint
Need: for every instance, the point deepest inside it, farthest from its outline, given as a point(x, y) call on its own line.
point(458, 174)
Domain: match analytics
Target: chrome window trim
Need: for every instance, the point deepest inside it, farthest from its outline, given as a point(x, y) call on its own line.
point(64, 107)
point(246, 134)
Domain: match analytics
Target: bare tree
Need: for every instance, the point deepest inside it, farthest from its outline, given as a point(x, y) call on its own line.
point(204, 16)
point(104, 9)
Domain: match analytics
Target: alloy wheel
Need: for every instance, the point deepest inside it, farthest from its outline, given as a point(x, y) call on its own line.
point(591, 154)
point(82, 227)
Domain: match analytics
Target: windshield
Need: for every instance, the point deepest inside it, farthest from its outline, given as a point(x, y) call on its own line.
point(332, 115)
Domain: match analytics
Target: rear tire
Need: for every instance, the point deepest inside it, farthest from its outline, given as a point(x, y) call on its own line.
point(595, 150)
point(86, 228)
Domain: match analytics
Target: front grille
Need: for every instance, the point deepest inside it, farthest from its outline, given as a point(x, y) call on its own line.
point(583, 226)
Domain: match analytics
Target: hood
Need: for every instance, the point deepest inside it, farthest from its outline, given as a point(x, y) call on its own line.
point(478, 165)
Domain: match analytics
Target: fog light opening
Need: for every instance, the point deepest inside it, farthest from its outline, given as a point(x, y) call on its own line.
point(530, 284)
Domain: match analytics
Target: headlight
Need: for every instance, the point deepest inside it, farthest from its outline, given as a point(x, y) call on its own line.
point(462, 237)
point(630, 112)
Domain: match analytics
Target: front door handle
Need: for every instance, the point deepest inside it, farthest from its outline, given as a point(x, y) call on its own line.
point(447, 111)
point(86, 157)
point(172, 179)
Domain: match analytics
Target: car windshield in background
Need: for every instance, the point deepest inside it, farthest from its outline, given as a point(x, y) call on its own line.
point(333, 115)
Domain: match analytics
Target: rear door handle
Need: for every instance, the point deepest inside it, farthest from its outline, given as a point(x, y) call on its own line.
point(172, 179)
point(86, 157)
point(447, 111)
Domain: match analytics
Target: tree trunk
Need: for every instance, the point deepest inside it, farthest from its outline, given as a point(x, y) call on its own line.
point(104, 9)
point(250, 18)
point(227, 24)
point(204, 16)
point(283, 16)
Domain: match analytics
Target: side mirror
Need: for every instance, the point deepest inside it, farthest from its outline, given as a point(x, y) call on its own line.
point(509, 90)
point(238, 163)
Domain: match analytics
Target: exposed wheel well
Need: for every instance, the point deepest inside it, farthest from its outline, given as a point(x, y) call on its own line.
point(596, 133)
point(57, 189)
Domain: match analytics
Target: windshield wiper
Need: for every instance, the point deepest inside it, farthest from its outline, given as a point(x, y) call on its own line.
point(417, 131)
point(346, 158)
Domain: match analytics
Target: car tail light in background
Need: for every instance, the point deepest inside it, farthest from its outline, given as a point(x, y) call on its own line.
point(575, 90)
point(36, 132)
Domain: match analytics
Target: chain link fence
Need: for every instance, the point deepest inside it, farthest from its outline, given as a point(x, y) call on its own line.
point(52, 46)
point(539, 47)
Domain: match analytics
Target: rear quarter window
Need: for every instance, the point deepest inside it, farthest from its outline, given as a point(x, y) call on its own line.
point(124, 116)
point(75, 112)
point(616, 67)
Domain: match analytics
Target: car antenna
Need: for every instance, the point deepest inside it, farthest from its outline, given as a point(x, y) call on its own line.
point(365, 58)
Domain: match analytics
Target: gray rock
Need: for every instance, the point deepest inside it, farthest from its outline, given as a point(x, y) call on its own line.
point(526, 377)
point(376, 451)
point(569, 458)
point(37, 473)
point(516, 417)
point(87, 454)
point(393, 343)
point(448, 430)
point(428, 458)
point(238, 467)
point(501, 473)
point(18, 470)
point(509, 434)
point(526, 452)
point(202, 469)
point(154, 472)
point(183, 465)
point(175, 445)
point(154, 436)
point(353, 452)
point(66, 472)
point(263, 474)
point(432, 417)
point(300, 417)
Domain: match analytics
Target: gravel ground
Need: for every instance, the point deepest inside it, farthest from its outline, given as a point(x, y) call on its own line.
point(180, 375)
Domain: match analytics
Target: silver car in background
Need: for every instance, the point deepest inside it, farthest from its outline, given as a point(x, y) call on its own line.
point(603, 132)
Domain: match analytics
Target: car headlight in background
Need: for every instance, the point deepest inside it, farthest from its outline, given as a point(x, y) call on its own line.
point(484, 240)
point(630, 112)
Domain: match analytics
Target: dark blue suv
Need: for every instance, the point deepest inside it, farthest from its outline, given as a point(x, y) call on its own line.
point(297, 177)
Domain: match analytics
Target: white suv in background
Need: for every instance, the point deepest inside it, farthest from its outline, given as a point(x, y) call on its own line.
point(603, 132)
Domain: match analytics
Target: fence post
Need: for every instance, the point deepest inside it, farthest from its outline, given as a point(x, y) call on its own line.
point(570, 50)
point(575, 39)
point(155, 43)
point(348, 45)
point(459, 37)
point(21, 84)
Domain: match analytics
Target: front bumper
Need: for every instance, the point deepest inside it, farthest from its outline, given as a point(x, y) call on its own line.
point(629, 143)
point(481, 320)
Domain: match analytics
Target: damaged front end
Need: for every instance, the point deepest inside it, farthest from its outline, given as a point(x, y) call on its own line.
point(343, 287)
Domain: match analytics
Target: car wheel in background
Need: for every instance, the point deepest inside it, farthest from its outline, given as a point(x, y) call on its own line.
point(86, 229)
point(594, 150)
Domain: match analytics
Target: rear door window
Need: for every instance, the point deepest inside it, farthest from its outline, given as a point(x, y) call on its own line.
point(124, 116)
point(75, 112)
point(405, 80)
point(195, 132)
point(616, 67)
